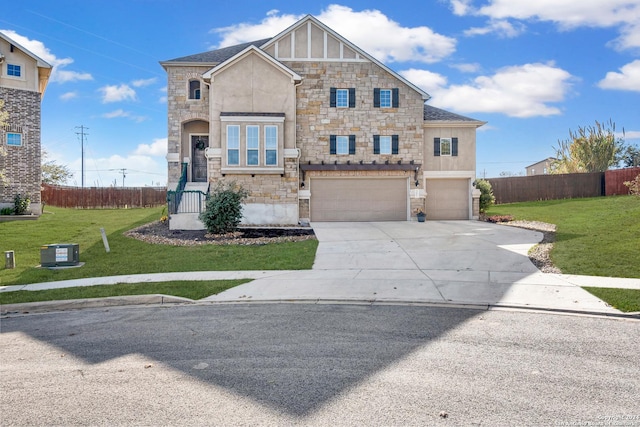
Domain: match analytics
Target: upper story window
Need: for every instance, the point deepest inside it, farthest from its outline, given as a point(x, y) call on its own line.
point(342, 144)
point(233, 144)
point(14, 139)
point(194, 89)
point(385, 144)
point(253, 145)
point(14, 70)
point(386, 98)
point(342, 98)
point(271, 145)
point(445, 146)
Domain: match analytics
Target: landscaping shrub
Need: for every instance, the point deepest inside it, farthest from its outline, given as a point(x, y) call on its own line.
point(22, 204)
point(499, 218)
point(634, 186)
point(486, 194)
point(223, 212)
point(6, 211)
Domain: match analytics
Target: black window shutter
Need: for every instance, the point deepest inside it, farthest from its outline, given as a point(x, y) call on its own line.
point(352, 97)
point(376, 144)
point(332, 144)
point(454, 146)
point(332, 97)
point(352, 144)
point(395, 145)
point(376, 97)
point(436, 147)
point(395, 97)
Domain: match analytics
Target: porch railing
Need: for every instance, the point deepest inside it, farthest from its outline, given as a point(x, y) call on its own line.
point(175, 197)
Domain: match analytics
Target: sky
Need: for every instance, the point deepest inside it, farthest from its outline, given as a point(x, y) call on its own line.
point(533, 70)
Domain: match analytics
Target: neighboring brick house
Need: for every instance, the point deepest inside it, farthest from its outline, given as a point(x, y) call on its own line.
point(316, 130)
point(23, 80)
point(543, 167)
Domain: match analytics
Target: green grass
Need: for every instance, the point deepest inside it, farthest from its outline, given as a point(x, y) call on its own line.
point(594, 236)
point(187, 289)
point(627, 300)
point(130, 256)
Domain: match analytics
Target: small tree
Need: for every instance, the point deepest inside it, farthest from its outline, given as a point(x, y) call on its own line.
point(53, 173)
point(223, 212)
point(486, 194)
point(590, 149)
point(631, 156)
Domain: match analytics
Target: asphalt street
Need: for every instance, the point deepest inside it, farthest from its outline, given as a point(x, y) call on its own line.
point(305, 364)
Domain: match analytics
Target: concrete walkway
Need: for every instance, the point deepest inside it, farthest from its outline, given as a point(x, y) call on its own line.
point(436, 262)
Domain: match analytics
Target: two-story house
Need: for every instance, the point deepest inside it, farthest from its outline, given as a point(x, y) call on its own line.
point(316, 130)
point(23, 80)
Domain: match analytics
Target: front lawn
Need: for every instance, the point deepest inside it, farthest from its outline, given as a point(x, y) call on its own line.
point(594, 236)
point(128, 255)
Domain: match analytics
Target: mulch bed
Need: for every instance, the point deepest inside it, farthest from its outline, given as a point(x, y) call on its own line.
point(159, 233)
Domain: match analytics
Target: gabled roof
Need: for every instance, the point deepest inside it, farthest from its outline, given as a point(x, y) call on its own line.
point(215, 56)
point(40, 62)
point(433, 114)
point(361, 52)
point(252, 48)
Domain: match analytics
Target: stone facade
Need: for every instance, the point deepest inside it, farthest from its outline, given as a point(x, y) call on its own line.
point(21, 164)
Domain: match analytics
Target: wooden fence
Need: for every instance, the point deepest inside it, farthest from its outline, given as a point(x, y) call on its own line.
point(565, 186)
point(547, 187)
point(103, 197)
point(615, 180)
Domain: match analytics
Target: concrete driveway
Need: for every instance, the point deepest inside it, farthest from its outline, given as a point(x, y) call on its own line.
point(461, 262)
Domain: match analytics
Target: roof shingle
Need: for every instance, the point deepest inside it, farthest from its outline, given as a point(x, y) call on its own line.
point(219, 55)
point(436, 114)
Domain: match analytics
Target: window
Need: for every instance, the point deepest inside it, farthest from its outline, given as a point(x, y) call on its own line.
point(233, 145)
point(14, 70)
point(342, 98)
point(253, 145)
point(342, 144)
point(14, 139)
point(386, 98)
point(385, 144)
point(194, 89)
point(445, 147)
point(271, 145)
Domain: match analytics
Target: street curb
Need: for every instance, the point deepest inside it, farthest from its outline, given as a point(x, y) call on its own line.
point(78, 304)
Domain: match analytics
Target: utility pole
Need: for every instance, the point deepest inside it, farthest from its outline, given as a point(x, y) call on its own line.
point(123, 170)
point(82, 134)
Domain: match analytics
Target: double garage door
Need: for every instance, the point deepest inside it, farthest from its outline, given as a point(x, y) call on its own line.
point(448, 198)
point(359, 199)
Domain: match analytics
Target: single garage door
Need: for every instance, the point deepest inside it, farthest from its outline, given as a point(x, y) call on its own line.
point(359, 199)
point(448, 198)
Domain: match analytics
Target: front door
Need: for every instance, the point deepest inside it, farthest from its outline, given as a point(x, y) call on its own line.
point(199, 165)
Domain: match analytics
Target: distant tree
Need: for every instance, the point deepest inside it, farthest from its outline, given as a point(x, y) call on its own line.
point(590, 149)
point(4, 117)
point(53, 173)
point(631, 156)
point(509, 174)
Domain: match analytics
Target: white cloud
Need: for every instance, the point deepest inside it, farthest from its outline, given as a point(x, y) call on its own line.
point(368, 29)
point(116, 93)
point(630, 134)
point(157, 148)
point(58, 74)
point(143, 82)
point(68, 96)
point(627, 79)
point(467, 68)
point(139, 171)
point(567, 14)
point(518, 91)
point(502, 28)
point(123, 114)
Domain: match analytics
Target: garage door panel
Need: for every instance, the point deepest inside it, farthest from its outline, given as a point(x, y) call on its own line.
point(447, 198)
point(340, 199)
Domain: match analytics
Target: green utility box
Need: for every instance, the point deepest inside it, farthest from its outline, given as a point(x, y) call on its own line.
point(60, 255)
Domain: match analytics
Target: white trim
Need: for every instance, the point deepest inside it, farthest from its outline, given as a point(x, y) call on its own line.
point(449, 174)
point(457, 124)
point(209, 75)
point(257, 119)
point(211, 153)
point(326, 44)
point(293, 45)
point(173, 157)
point(291, 153)
point(309, 40)
point(253, 170)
